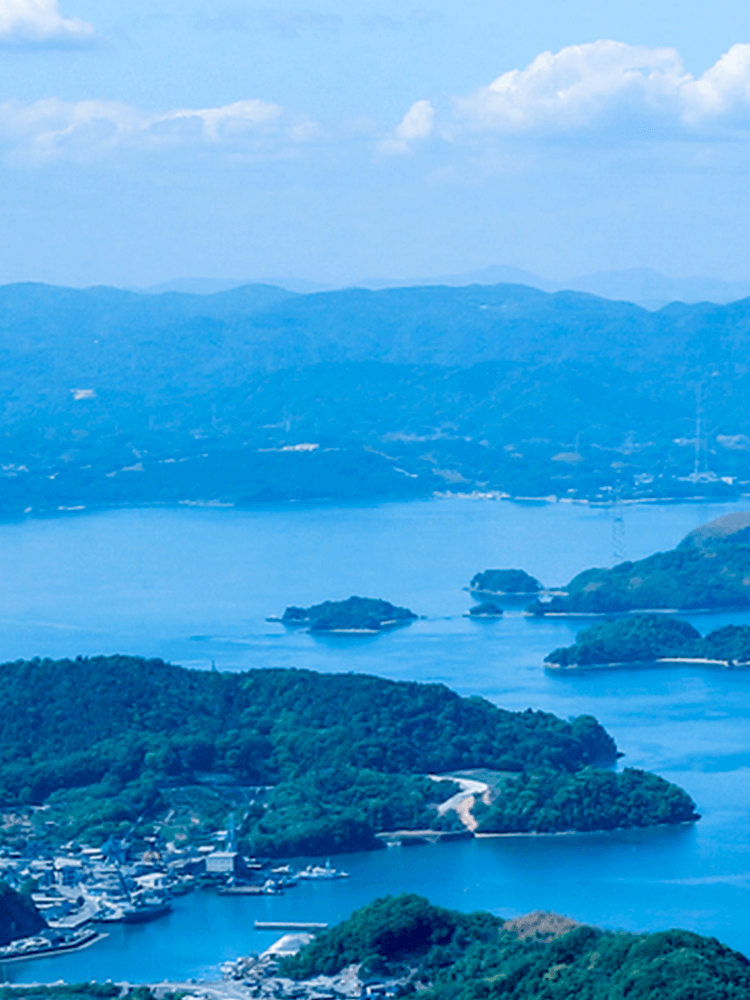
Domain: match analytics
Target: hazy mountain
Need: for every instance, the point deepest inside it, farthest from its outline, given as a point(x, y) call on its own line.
point(641, 286)
point(494, 275)
point(210, 286)
point(653, 290)
point(113, 397)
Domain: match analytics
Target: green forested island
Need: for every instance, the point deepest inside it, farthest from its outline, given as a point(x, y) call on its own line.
point(505, 581)
point(487, 609)
point(306, 762)
point(356, 614)
point(446, 955)
point(708, 570)
point(648, 638)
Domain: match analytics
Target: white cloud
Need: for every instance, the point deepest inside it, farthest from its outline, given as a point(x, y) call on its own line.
point(610, 85)
point(416, 124)
point(40, 22)
point(52, 128)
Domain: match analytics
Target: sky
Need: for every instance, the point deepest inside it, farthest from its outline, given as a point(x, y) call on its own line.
point(145, 140)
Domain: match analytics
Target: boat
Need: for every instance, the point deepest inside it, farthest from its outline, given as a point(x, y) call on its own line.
point(145, 908)
point(271, 887)
point(321, 872)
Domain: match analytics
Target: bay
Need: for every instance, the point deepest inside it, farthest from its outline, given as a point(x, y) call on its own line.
point(195, 586)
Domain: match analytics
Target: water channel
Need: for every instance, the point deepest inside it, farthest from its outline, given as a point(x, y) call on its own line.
point(195, 587)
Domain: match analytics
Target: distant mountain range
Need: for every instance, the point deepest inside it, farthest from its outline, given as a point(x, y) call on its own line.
point(642, 286)
point(257, 393)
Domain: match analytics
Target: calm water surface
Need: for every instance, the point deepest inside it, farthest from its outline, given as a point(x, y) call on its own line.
point(195, 587)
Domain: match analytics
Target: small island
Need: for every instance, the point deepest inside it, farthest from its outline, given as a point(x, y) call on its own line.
point(708, 571)
point(487, 609)
point(652, 639)
point(505, 583)
point(357, 614)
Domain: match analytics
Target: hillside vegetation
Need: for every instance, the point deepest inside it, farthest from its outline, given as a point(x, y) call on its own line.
point(505, 581)
point(109, 741)
point(255, 394)
point(709, 576)
point(645, 638)
point(19, 918)
point(445, 955)
point(354, 614)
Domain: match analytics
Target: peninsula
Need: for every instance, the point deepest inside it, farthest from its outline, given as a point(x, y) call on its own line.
point(708, 571)
point(405, 946)
point(299, 762)
point(357, 614)
point(652, 639)
point(409, 946)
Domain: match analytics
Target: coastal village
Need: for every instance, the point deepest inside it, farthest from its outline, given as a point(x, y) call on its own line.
point(78, 891)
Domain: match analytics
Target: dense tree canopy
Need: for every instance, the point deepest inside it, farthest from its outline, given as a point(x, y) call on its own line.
point(646, 638)
point(19, 917)
point(716, 575)
point(591, 799)
point(355, 613)
point(505, 581)
point(108, 740)
point(457, 956)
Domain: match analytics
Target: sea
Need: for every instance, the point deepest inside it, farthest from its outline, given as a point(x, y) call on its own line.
point(195, 587)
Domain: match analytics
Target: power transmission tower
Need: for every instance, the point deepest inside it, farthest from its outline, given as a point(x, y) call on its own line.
point(698, 431)
point(619, 550)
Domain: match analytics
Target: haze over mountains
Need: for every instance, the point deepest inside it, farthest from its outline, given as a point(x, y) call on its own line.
point(258, 393)
point(642, 286)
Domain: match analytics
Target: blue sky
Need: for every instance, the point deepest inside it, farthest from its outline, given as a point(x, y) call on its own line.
point(141, 141)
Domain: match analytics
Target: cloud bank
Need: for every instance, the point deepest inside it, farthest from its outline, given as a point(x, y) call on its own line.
point(40, 22)
point(608, 84)
point(604, 88)
point(601, 91)
point(54, 129)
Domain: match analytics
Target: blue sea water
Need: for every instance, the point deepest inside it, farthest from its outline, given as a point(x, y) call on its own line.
point(195, 586)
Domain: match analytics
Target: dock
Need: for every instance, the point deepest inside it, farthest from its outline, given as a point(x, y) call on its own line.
point(395, 838)
point(288, 925)
point(242, 890)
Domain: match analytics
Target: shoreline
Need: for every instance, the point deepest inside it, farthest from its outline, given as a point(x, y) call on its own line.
point(645, 664)
point(734, 609)
point(45, 513)
point(54, 952)
point(584, 833)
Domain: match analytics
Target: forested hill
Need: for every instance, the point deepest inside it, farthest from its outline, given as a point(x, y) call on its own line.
point(708, 570)
point(479, 956)
point(19, 917)
point(89, 715)
point(117, 336)
point(112, 741)
point(647, 638)
point(114, 397)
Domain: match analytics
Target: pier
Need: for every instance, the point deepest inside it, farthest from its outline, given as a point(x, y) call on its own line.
point(287, 925)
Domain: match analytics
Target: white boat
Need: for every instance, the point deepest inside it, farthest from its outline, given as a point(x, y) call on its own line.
point(321, 872)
